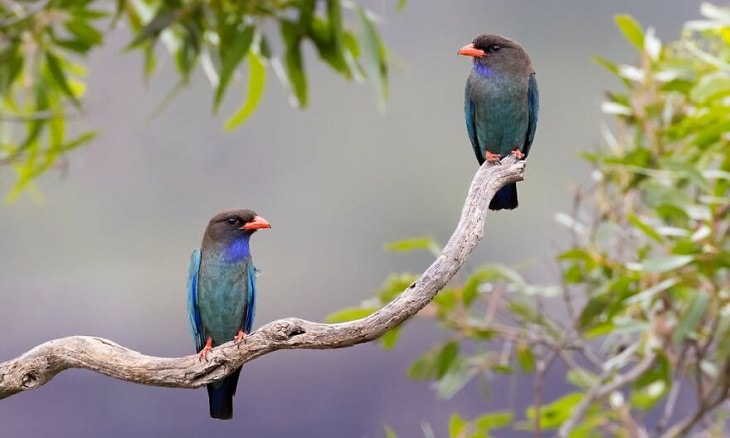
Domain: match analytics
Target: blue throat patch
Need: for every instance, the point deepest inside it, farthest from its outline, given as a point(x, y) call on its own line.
point(483, 70)
point(238, 250)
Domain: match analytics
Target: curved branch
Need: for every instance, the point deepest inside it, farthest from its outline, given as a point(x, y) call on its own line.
point(39, 365)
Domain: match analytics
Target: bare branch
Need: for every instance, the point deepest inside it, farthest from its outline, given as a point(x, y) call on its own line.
point(39, 365)
point(601, 390)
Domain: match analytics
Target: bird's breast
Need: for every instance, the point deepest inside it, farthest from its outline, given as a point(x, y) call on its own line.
point(222, 296)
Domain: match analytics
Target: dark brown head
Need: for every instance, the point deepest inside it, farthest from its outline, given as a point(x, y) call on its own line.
point(231, 225)
point(498, 53)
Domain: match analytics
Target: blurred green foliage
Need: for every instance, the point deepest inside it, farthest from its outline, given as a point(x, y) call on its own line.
point(43, 44)
point(640, 315)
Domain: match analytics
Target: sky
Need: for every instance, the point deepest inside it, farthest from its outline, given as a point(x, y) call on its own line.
point(105, 253)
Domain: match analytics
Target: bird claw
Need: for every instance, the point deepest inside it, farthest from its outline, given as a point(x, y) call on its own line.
point(492, 158)
point(518, 154)
point(204, 352)
point(240, 337)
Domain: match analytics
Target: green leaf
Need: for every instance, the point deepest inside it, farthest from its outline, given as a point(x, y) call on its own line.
point(376, 54)
point(394, 285)
point(581, 378)
point(334, 16)
point(457, 425)
point(471, 288)
point(710, 87)
point(692, 317)
point(492, 420)
point(59, 77)
point(401, 4)
point(446, 357)
point(422, 368)
point(426, 243)
point(454, 380)
point(525, 358)
point(293, 62)
point(162, 20)
point(256, 84)
point(84, 32)
point(350, 314)
point(665, 263)
point(554, 414)
point(231, 57)
point(644, 227)
point(390, 338)
point(631, 30)
point(605, 63)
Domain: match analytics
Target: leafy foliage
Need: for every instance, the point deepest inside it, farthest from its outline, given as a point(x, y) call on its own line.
point(42, 44)
point(644, 286)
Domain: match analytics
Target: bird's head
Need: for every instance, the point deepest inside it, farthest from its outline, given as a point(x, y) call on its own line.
point(232, 225)
point(497, 53)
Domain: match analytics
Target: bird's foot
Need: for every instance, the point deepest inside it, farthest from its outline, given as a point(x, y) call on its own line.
point(240, 337)
point(518, 154)
point(492, 158)
point(204, 352)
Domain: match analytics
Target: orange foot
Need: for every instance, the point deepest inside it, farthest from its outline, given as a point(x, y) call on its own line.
point(492, 158)
point(240, 336)
point(518, 154)
point(204, 352)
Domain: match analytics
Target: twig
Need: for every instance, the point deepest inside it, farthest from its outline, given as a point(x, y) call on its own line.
point(715, 398)
point(542, 368)
point(601, 390)
point(39, 365)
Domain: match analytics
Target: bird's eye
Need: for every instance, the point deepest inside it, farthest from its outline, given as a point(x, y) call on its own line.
point(494, 48)
point(232, 221)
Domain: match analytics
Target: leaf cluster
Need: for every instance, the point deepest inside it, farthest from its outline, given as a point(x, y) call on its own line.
point(43, 44)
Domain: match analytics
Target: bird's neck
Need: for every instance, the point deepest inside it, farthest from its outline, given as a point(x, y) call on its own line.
point(237, 250)
point(483, 70)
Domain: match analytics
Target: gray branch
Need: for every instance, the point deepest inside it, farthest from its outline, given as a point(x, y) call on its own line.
point(39, 365)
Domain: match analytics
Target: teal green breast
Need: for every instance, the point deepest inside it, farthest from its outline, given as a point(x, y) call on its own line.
point(223, 297)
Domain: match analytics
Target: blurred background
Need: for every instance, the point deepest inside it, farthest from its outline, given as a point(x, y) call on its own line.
point(106, 252)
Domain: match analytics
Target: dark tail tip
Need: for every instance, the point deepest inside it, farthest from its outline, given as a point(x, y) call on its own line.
point(505, 198)
point(221, 402)
point(220, 396)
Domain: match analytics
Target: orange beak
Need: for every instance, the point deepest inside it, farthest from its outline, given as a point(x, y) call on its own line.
point(257, 223)
point(470, 50)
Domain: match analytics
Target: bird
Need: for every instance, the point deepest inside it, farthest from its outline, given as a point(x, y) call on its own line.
point(222, 294)
point(501, 103)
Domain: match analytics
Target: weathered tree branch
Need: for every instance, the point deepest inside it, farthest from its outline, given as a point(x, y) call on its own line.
point(39, 365)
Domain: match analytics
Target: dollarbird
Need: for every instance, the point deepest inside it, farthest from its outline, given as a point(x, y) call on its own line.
point(222, 294)
point(501, 105)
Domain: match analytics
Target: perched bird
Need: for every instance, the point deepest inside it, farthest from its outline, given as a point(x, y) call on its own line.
point(222, 294)
point(501, 105)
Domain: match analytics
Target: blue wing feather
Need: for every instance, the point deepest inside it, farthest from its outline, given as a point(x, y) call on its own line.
point(471, 126)
point(533, 102)
point(193, 311)
point(250, 298)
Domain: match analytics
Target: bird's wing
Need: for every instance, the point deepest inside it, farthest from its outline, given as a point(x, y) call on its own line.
point(471, 125)
point(533, 102)
point(250, 298)
point(193, 311)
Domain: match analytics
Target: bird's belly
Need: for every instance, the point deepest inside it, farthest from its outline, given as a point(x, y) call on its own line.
point(222, 303)
point(500, 114)
point(501, 127)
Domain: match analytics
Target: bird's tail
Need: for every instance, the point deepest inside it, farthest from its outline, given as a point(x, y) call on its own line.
point(505, 198)
point(220, 396)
